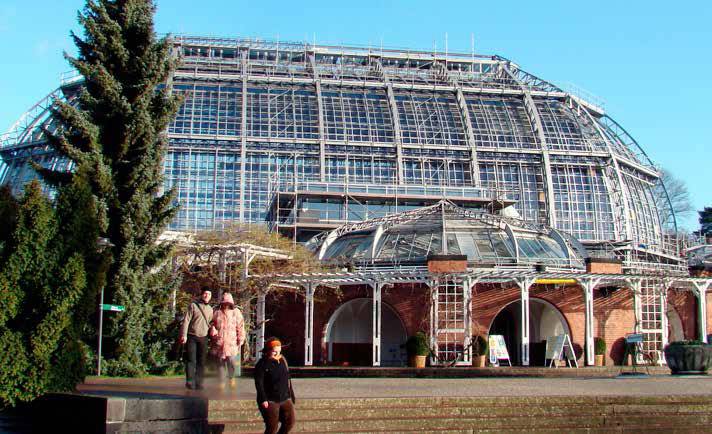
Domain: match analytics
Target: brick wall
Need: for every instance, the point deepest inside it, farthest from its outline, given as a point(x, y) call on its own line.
point(604, 266)
point(445, 266)
point(613, 314)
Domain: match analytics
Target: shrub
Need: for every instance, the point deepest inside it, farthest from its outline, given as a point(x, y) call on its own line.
point(599, 346)
point(46, 279)
point(417, 345)
point(479, 345)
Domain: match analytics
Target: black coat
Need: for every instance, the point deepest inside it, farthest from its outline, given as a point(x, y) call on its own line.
point(272, 380)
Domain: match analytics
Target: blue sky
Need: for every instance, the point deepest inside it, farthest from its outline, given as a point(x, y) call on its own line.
point(648, 60)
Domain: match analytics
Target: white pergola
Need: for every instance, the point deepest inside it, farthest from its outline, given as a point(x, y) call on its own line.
point(524, 279)
point(198, 252)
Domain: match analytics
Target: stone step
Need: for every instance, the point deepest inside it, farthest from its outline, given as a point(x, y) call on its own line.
point(690, 429)
point(493, 402)
point(701, 422)
point(483, 423)
point(487, 414)
point(442, 411)
point(445, 411)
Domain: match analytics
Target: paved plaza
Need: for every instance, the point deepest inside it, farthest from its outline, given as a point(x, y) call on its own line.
point(329, 388)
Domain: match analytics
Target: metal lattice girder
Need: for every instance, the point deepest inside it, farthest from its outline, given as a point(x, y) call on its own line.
point(398, 133)
point(536, 124)
point(421, 275)
point(243, 139)
point(432, 210)
point(619, 187)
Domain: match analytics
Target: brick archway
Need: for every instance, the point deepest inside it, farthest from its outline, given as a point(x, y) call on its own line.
point(347, 334)
point(545, 320)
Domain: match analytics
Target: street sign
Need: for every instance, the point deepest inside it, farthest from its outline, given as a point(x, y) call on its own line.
point(113, 307)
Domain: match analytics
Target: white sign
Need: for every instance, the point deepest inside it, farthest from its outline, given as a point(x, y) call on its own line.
point(558, 347)
point(498, 350)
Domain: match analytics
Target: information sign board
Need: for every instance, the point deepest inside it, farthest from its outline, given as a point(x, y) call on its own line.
point(559, 347)
point(498, 350)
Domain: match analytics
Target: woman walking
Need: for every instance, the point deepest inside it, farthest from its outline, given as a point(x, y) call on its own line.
point(275, 396)
point(228, 337)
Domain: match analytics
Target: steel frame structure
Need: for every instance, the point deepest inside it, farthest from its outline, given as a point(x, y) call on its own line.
point(262, 117)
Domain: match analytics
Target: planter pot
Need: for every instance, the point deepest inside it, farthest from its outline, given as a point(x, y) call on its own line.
point(688, 359)
point(479, 361)
point(416, 361)
point(599, 359)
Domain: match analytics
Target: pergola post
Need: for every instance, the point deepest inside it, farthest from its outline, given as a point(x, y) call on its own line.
point(309, 326)
point(222, 274)
point(376, 335)
point(260, 324)
point(588, 286)
point(663, 316)
point(467, 301)
point(701, 294)
point(433, 285)
point(524, 285)
point(637, 304)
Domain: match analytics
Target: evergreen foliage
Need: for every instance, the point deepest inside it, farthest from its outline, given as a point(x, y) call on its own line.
point(705, 221)
point(417, 345)
point(599, 346)
point(480, 346)
point(46, 294)
point(115, 133)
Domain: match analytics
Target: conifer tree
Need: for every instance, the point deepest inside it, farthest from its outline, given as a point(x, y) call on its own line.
point(45, 295)
point(115, 134)
point(705, 221)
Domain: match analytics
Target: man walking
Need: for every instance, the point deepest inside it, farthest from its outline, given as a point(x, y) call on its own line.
point(194, 333)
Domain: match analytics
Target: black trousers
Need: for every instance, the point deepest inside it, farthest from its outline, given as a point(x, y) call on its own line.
point(278, 412)
point(196, 354)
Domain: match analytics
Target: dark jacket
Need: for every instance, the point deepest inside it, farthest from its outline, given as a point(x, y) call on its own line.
point(272, 380)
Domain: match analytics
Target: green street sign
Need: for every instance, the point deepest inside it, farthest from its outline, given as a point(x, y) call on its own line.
point(113, 307)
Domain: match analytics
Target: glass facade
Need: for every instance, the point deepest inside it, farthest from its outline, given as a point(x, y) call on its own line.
point(296, 136)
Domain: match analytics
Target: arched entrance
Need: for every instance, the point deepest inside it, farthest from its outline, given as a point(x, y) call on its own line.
point(349, 335)
point(545, 321)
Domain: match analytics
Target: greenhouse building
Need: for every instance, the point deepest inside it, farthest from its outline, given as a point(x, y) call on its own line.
point(457, 193)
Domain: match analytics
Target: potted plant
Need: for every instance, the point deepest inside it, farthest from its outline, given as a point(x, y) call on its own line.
point(688, 357)
point(599, 349)
point(479, 351)
point(418, 350)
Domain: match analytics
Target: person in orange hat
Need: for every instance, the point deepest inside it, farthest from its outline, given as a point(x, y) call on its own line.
point(275, 395)
point(227, 338)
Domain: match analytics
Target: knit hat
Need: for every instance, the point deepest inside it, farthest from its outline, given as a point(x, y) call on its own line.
point(227, 299)
point(271, 343)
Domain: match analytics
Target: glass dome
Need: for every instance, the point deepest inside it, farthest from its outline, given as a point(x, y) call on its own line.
point(445, 229)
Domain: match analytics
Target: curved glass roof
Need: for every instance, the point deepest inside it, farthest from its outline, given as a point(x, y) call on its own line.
point(445, 229)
